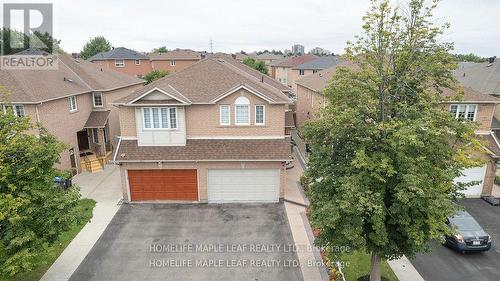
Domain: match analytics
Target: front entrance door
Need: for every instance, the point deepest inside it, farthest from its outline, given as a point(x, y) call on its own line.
point(72, 159)
point(83, 140)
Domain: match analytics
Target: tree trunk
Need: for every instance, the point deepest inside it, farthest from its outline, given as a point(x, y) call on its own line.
point(375, 271)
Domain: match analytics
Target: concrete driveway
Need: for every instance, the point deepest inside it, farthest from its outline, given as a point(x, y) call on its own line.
point(445, 264)
point(194, 242)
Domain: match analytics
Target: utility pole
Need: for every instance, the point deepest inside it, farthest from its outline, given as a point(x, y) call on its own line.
point(211, 46)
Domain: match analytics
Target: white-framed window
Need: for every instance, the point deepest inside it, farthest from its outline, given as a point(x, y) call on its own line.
point(95, 135)
point(119, 63)
point(159, 118)
point(301, 71)
point(172, 63)
point(225, 114)
point(242, 111)
point(73, 106)
point(18, 110)
point(137, 62)
point(97, 99)
point(464, 111)
point(260, 115)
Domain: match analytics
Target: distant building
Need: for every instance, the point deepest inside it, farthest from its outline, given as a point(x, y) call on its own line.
point(287, 52)
point(298, 49)
point(319, 52)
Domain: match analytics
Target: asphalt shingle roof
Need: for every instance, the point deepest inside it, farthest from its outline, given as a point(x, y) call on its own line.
point(119, 53)
point(294, 61)
point(482, 77)
point(177, 54)
point(319, 63)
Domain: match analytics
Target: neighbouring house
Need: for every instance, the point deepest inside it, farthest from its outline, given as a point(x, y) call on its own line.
point(173, 61)
point(73, 103)
point(240, 56)
point(311, 67)
point(268, 58)
point(123, 60)
point(282, 70)
point(474, 106)
point(214, 132)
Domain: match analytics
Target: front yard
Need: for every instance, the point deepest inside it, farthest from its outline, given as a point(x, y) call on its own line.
point(357, 264)
point(85, 207)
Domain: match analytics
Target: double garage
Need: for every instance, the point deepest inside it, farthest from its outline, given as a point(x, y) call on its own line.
point(202, 183)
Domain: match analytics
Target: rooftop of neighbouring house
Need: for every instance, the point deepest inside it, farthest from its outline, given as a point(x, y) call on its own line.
point(177, 54)
point(294, 61)
point(483, 77)
point(319, 63)
point(120, 53)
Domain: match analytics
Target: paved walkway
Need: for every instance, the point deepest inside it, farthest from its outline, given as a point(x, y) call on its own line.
point(104, 188)
point(301, 231)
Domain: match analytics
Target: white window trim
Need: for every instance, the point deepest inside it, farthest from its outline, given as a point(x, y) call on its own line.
point(95, 135)
point(236, 115)
point(228, 112)
point(466, 110)
point(172, 63)
point(14, 109)
point(263, 115)
point(93, 99)
point(160, 119)
point(137, 62)
point(71, 109)
point(121, 64)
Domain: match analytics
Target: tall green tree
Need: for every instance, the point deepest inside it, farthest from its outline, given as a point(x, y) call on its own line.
point(470, 58)
point(154, 75)
point(257, 65)
point(50, 44)
point(384, 151)
point(162, 49)
point(33, 209)
point(94, 46)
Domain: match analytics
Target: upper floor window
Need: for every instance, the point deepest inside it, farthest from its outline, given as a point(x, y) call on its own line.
point(225, 114)
point(160, 117)
point(464, 111)
point(72, 104)
point(18, 110)
point(172, 63)
point(259, 115)
point(119, 63)
point(301, 71)
point(97, 99)
point(242, 111)
point(137, 62)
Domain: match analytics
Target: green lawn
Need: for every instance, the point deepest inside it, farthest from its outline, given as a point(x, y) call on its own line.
point(85, 207)
point(357, 264)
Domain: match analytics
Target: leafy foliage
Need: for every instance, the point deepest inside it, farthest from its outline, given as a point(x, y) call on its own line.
point(33, 209)
point(94, 46)
point(8, 36)
point(155, 75)
point(469, 58)
point(258, 65)
point(162, 49)
point(384, 151)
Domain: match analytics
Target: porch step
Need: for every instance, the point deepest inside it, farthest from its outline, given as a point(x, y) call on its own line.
point(94, 165)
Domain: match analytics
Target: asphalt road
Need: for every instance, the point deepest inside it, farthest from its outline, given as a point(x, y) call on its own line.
point(445, 264)
point(194, 242)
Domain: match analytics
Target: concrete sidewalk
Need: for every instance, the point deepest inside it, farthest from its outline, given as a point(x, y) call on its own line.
point(104, 188)
point(404, 270)
point(310, 260)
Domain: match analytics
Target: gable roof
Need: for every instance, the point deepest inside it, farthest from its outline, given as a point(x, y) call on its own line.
point(177, 54)
point(294, 61)
point(319, 63)
point(120, 53)
point(319, 80)
point(470, 95)
point(72, 76)
point(209, 79)
point(268, 56)
point(482, 77)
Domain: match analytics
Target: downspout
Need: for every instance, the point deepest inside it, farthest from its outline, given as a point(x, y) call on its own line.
point(37, 114)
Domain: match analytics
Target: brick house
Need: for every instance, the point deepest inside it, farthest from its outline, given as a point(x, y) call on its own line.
point(312, 67)
point(281, 70)
point(73, 103)
point(123, 60)
point(173, 61)
point(475, 106)
point(214, 132)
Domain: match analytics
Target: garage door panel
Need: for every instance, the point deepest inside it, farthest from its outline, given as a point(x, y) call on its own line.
point(166, 184)
point(243, 185)
point(470, 175)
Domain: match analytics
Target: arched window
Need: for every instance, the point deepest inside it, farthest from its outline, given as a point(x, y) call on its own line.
point(242, 111)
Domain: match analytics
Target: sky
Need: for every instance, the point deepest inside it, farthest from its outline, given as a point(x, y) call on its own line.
point(252, 25)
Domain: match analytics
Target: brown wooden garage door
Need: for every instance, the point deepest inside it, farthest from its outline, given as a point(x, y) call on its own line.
point(147, 185)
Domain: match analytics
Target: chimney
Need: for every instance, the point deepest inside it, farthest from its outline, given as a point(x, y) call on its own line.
point(233, 55)
point(262, 78)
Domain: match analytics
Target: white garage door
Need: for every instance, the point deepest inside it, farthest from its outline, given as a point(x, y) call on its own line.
point(473, 174)
point(243, 185)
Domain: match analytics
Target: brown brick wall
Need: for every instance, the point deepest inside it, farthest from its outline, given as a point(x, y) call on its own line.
point(130, 67)
point(202, 168)
point(308, 101)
